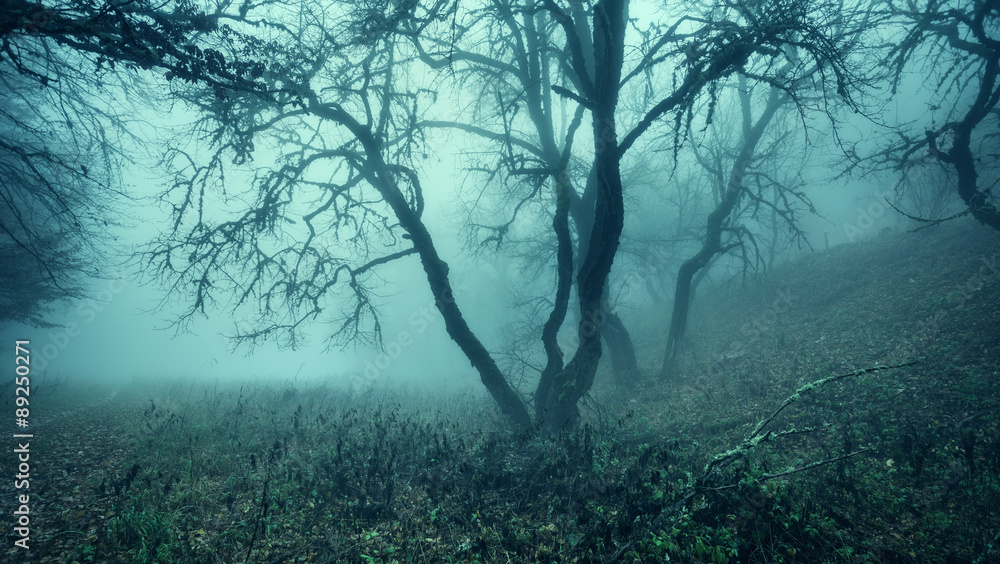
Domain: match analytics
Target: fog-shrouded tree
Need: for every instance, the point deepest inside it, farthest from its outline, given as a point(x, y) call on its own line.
point(954, 47)
point(513, 51)
point(757, 192)
point(747, 190)
point(37, 273)
point(64, 136)
point(48, 207)
point(334, 92)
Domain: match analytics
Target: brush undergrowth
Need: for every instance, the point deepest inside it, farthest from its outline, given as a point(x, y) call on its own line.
point(258, 473)
point(289, 472)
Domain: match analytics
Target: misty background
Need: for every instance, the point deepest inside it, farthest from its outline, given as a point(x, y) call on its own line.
point(122, 325)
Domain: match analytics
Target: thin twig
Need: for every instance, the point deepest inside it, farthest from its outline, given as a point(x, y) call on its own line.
point(927, 221)
point(993, 543)
point(756, 437)
point(810, 466)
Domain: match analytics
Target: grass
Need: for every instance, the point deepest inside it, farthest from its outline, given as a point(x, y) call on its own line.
point(280, 472)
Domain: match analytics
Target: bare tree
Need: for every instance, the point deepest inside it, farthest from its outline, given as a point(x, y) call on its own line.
point(61, 145)
point(343, 196)
point(820, 66)
point(745, 187)
point(512, 51)
point(956, 47)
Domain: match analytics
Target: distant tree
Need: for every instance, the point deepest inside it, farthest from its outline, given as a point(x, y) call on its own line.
point(666, 204)
point(745, 189)
point(47, 207)
point(66, 68)
point(56, 169)
point(749, 189)
point(28, 291)
point(954, 46)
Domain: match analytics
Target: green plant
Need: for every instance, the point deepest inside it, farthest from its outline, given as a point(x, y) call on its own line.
point(691, 540)
point(147, 535)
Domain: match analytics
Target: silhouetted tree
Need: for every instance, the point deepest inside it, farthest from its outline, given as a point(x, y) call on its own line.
point(816, 65)
point(744, 190)
point(343, 196)
point(510, 50)
point(48, 206)
point(955, 47)
point(27, 289)
point(61, 143)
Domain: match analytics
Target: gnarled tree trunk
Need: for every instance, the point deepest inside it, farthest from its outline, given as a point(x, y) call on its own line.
point(616, 336)
point(715, 225)
point(559, 411)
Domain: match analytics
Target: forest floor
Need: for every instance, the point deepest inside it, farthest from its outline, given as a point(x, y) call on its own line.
point(273, 472)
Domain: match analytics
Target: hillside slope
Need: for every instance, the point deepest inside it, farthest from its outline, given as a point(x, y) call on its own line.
point(898, 297)
point(925, 487)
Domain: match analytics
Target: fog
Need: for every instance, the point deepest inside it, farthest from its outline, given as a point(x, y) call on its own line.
point(508, 281)
point(124, 329)
point(122, 325)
